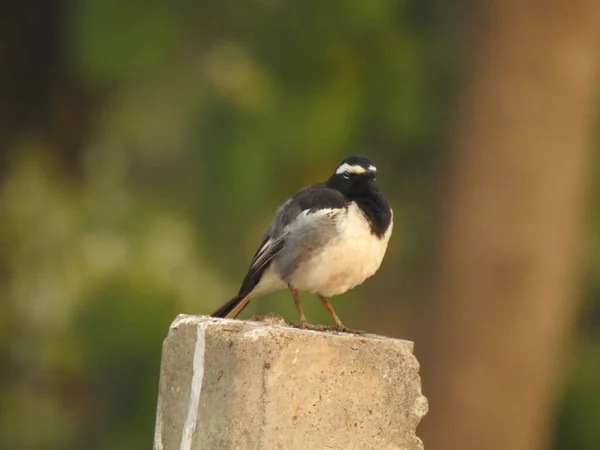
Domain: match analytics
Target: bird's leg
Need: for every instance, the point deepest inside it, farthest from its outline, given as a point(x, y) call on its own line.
point(303, 321)
point(332, 313)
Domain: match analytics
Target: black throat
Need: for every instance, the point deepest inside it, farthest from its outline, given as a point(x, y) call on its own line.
point(376, 209)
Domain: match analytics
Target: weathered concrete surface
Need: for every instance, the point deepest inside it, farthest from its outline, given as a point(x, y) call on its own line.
point(229, 384)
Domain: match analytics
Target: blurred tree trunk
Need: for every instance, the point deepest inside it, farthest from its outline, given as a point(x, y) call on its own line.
point(41, 100)
point(41, 96)
point(512, 226)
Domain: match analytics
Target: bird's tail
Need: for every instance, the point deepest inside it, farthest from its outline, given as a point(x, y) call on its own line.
point(232, 308)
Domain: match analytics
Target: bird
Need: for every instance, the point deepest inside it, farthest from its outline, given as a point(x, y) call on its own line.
point(325, 239)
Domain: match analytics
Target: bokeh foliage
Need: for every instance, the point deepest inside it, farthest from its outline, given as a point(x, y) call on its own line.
point(199, 119)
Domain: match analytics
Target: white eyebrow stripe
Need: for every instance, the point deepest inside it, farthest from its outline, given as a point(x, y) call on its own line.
point(347, 168)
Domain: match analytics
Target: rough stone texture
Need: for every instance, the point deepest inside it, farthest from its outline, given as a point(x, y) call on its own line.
point(229, 384)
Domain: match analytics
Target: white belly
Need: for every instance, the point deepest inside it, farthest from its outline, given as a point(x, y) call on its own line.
point(346, 262)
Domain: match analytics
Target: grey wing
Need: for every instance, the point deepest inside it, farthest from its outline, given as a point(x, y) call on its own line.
point(300, 226)
point(309, 234)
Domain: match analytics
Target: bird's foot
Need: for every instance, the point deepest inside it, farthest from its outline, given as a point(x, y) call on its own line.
point(339, 326)
point(308, 326)
point(303, 325)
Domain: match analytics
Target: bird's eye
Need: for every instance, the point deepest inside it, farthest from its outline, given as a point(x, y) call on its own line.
point(346, 175)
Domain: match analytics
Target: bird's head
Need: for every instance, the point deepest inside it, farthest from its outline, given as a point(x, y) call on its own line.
point(355, 175)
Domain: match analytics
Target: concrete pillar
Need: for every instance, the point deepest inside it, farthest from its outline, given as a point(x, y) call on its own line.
point(229, 384)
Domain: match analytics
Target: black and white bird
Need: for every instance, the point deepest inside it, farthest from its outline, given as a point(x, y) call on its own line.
point(326, 239)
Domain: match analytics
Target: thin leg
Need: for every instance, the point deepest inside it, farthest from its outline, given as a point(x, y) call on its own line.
point(303, 321)
point(332, 313)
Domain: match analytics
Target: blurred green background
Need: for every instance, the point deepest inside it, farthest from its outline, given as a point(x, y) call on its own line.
point(145, 147)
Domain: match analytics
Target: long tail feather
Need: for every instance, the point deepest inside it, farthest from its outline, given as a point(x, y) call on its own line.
point(232, 308)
